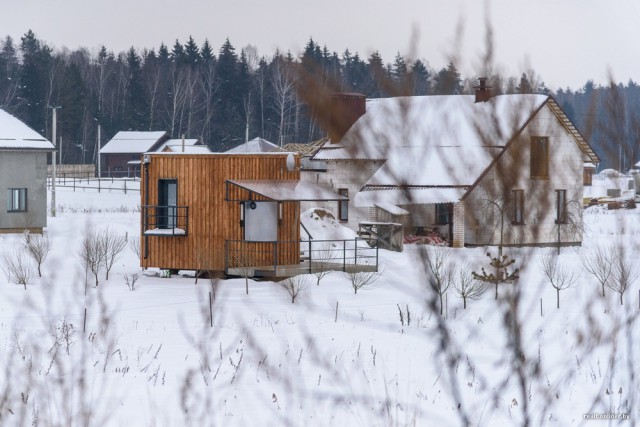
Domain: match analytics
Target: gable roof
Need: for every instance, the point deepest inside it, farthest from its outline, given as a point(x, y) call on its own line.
point(256, 145)
point(132, 142)
point(433, 140)
point(16, 135)
point(308, 149)
point(177, 142)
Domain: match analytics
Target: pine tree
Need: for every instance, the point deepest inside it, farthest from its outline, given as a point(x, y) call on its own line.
point(448, 81)
point(206, 52)
point(191, 52)
point(420, 78)
point(136, 108)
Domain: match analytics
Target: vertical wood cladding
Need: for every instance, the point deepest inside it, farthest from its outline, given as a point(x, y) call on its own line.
point(212, 219)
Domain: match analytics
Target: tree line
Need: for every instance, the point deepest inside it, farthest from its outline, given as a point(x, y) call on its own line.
point(225, 97)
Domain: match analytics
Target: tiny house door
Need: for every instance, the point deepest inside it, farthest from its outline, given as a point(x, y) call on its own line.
point(167, 202)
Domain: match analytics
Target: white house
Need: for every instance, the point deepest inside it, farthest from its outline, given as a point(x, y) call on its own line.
point(455, 162)
point(23, 176)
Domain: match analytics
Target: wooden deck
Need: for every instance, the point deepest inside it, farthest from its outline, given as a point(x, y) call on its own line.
point(303, 268)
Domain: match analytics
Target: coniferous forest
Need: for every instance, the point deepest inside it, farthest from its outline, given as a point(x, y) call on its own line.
point(221, 94)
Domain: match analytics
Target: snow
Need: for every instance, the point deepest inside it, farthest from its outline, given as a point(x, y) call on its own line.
point(165, 232)
point(288, 190)
point(14, 134)
point(131, 142)
point(392, 209)
point(150, 357)
point(433, 140)
point(256, 145)
point(408, 196)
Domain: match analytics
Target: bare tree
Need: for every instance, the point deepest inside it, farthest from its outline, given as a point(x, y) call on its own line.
point(440, 273)
point(18, 267)
point(467, 286)
point(559, 276)
point(294, 285)
point(112, 245)
point(569, 223)
point(38, 248)
point(362, 279)
point(320, 260)
point(91, 253)
point(599, 262)
point(284, 94)
point(134, 245)
point(623, 273)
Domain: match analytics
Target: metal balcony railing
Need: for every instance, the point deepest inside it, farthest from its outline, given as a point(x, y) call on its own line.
point(165, 220)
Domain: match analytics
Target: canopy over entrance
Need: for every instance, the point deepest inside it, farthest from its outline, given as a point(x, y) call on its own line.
point(285, 190)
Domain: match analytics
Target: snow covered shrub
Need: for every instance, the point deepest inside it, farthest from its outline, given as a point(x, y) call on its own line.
point(294, 285)
point(131, 281)
point(362, 279)
point(18, 267)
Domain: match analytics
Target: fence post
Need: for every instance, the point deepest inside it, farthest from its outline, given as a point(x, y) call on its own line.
point(125, 186)
point(355, 250)
point(344, 255)
point(310, 255)
point(98, 185)
point(74, 184)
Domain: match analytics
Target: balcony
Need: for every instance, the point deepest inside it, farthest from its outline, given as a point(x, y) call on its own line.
point(165, 220)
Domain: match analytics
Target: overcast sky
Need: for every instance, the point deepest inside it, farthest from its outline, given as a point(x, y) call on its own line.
point(566, 42)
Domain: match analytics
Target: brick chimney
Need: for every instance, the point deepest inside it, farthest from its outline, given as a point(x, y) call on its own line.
point(346, 108)
point(483, 92)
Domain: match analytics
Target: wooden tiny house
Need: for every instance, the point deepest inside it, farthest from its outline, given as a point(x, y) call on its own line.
point(219, 211)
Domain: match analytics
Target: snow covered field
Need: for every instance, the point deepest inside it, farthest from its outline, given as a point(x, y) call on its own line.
point(150, 356)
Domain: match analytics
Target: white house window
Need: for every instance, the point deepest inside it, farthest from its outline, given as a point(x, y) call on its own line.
point(518, 207)
point(343, 205)
point(539, 166)
point(561, 206)
point(444, 213)
point(17, 200)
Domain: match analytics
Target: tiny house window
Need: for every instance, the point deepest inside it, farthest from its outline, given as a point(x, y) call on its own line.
point(17, 200)
point(539, 157)
point(518, 207)
point(343, 205)
point(444, 213)
point(167, 201)
point(561, 206)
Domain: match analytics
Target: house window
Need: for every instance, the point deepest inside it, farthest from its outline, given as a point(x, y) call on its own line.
point(444, 213)
point(518, 207)
point(167, 213)
point(343, 205)
point(539, 157)
point(587, 177)
point(17, 200)
point(561, 206)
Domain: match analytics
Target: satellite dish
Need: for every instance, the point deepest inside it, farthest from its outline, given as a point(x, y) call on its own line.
point(291, 162)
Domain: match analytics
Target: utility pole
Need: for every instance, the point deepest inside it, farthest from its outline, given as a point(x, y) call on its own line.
point(53, 162)
point(99, 164)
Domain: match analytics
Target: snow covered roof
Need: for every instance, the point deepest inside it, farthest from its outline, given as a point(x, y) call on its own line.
point(178, 142)
point(131, 142)
point(288, 190)
point(392, 209)
point(424, 121)
point(16, 135)
point(188, 149)
point(256, 145)
point(433, 140)
point(408, 196)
